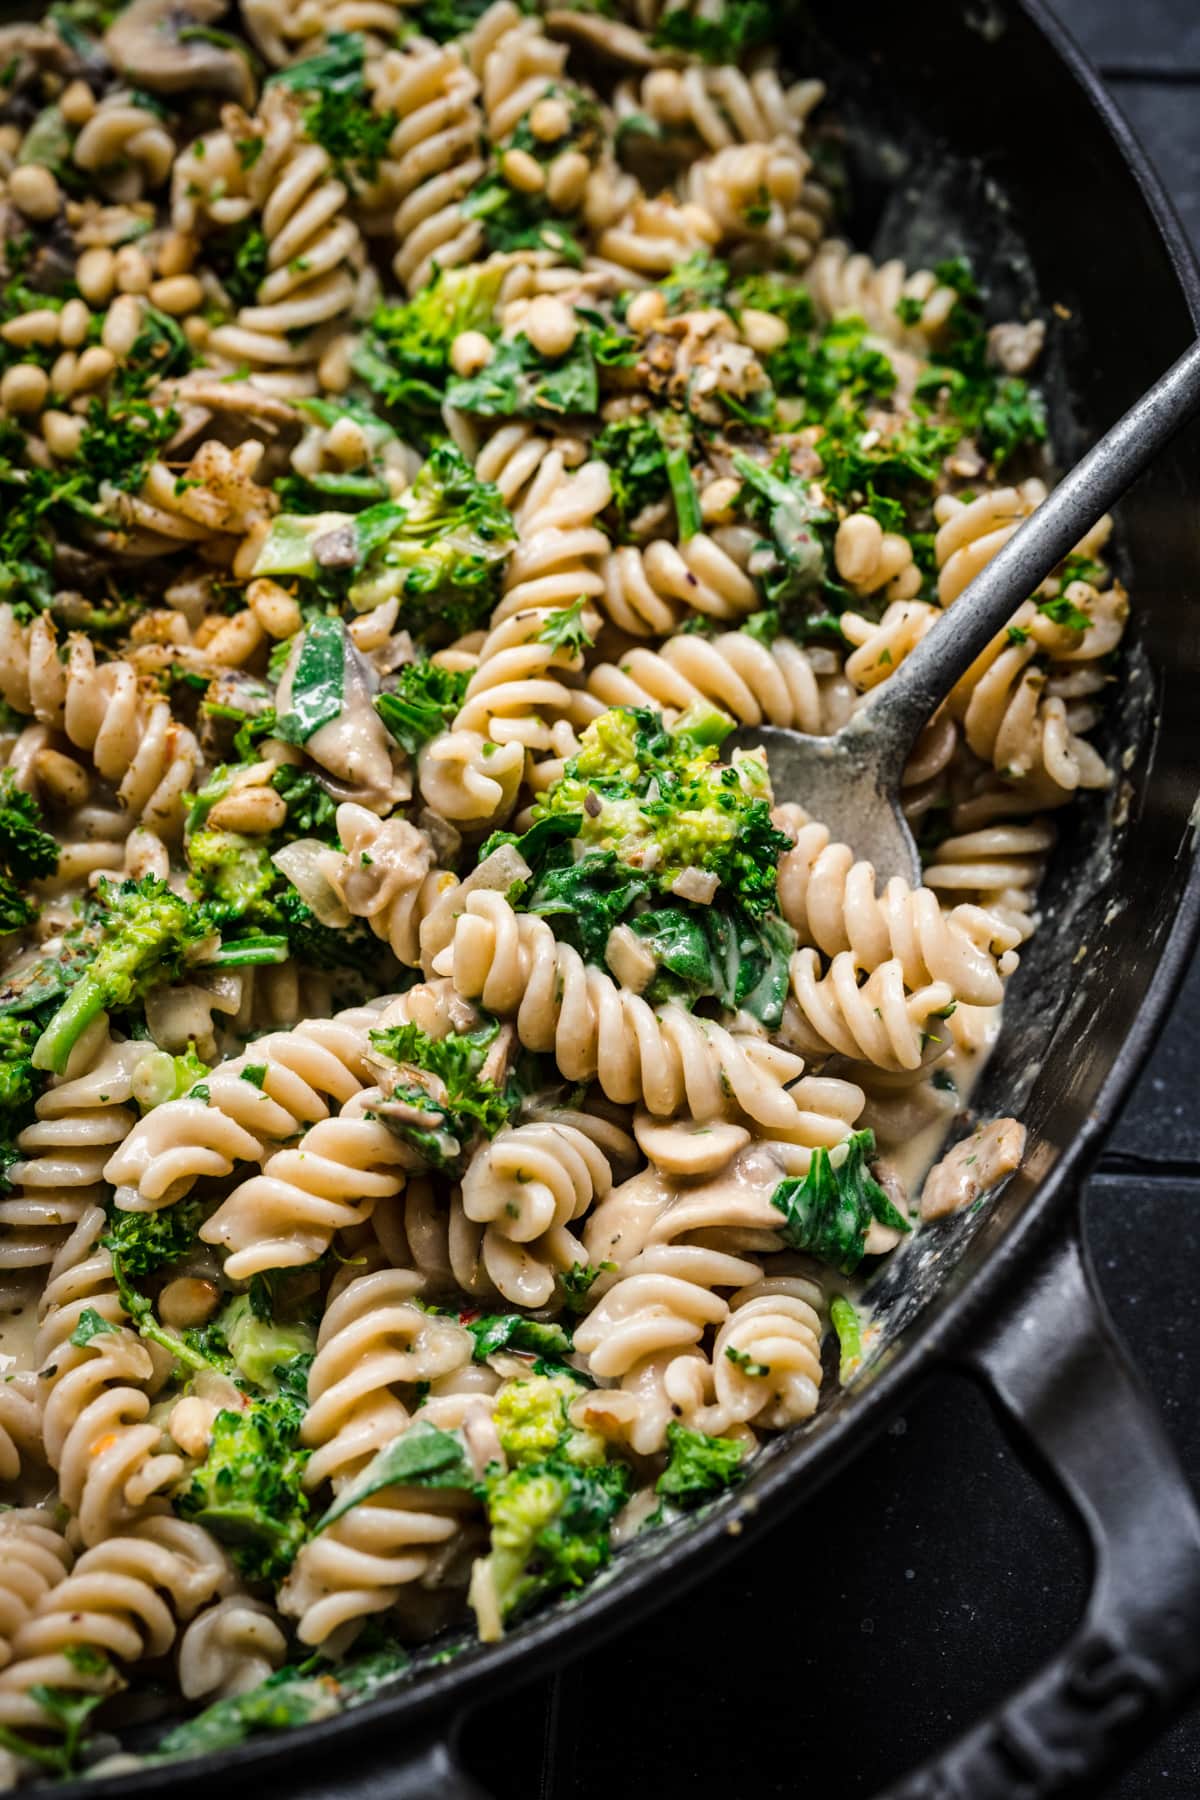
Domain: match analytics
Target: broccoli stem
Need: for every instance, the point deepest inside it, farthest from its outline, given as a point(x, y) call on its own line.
point(683, 492)
point(86, 1001)
point(244, 952)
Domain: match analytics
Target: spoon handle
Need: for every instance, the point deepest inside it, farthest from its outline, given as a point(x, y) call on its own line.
point(907, 699)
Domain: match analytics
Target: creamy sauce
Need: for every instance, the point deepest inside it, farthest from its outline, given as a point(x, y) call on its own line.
point(18, 1327)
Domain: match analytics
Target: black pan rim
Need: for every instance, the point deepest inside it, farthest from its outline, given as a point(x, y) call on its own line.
point(782, 1483)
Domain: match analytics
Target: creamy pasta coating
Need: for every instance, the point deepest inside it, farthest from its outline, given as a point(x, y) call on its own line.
point(450, 1100)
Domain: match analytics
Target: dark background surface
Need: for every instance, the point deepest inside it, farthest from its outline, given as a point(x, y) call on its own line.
point(888, 1612)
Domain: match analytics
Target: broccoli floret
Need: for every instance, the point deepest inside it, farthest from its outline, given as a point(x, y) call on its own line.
point(404, 356)
point(698, 1465)
point(446, 1103)
point(242, 894)
point(231, 875)
point(17, 910)
point(147, 933)
point(142, 1243)
point(550, 1522)
point(20, 1084)
point(659, 801)
point(444, 551)
point(26, 850)
point(248, 1490)
point(532, 1421)
point(311, 812)
point(264, 1350)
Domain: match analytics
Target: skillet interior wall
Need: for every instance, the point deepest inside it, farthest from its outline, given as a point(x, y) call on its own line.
point(963, 135)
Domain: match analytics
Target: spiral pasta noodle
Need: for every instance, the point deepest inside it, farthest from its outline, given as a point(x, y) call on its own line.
point(844, 282)
point(57, 1177)
point(125, 1597)
point(665, 1058)
point(663, 1303)
point(34, 1558)
point(433, 158)
point(723, 105)
point(314, 249)
point(651, 591)
point(131, 737)
point(783, 684)
point(372, 1341)
point(877, 1020)
point(286, 1216)
point(360, 1564)
point(830, 899)
point(229, 1648)
point(96, 1395)
point(470, 774)
point(386, 873)
point(126, 145)
point(527, 1187)
point(320, 1061)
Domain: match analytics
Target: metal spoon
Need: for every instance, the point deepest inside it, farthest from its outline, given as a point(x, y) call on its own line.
point(851, 781)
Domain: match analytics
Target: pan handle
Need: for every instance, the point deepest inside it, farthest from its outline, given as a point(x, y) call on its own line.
point(424, 1766)
point(1066, 1389)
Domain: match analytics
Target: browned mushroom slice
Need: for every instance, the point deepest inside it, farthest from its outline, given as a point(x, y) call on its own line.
point(162, 45)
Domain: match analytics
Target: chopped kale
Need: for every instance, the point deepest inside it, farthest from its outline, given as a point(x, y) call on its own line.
point(830, 1211)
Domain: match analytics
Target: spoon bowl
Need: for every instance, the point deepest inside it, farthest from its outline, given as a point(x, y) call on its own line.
point(845, 783)
point(851, 780)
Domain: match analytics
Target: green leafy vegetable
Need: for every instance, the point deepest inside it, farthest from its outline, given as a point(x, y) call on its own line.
point(683, 493)
point(1065, 612)
point(422, 702)
point(637, 785)
point(422, 1456)
point(791, 519)
point(67, 1711)
point(636, 456)
point(696, 285)
point(404, 356)
point(577, 1283)
point(438, 1080)
point(565, 629)
point(291, 1696)
point(830, 1211)
point(720, 34)
point(91, 1324)
point(26, 849)
point(519, 382)
point(20, 1084)
point(704, 951)
point(318, 682)
point(513, 220)
point(513, 1331)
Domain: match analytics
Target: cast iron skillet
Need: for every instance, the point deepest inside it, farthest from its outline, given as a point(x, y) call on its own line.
point(1023, 144)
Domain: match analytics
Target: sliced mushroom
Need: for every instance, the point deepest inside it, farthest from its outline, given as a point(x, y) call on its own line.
point(161, 45)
